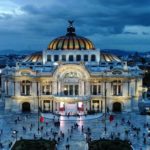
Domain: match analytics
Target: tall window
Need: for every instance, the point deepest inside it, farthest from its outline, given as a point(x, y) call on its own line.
point(71, 90)
point(96, 89)
point(93, 58)
point(63, 57)
point(66, 89)
point(85, 57)
point(25, 87)
point(70, 57)
point(46, 89)
point(78, 58)
point(76, 89)
point(117, 88)
point(99, 89)
point(49, 58)
point(56, 58)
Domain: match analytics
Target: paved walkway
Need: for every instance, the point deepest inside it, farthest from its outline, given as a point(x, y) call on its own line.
point(73, 131)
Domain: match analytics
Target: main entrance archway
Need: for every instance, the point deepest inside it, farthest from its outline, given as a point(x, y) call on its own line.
point(26, 107)
point(71, 108)
point(116, 107)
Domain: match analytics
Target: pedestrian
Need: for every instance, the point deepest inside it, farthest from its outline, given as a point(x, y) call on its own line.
point(144, 141)
point(1, 145)
point(18, 118)
point(118, 134)
point(128, 122)
point(58, 139)
point(112, 136)
point(34, 136)
point(10, 144)
point(15, 121)
point(56, 146)
point(67, 139)
point(116, 124)
point(67, 146)
point(42, 128)
point(68, 131)
point(1, 132)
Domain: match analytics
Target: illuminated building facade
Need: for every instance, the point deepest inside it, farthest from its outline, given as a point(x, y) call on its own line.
point(71, 76)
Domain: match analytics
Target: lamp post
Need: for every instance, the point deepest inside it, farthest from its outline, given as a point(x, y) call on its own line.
point(15, 133)
point(105, 128)
point(38, 107)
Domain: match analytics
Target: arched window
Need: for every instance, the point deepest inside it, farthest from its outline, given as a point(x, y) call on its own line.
point(78, 58)
point(70, 57)
point(26, 87)
point(85, 57)
point(93, 58)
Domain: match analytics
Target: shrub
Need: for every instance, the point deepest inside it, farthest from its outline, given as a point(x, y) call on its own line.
point(109, 145)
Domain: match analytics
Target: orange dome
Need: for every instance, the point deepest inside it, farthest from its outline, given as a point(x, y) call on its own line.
point(71, 41)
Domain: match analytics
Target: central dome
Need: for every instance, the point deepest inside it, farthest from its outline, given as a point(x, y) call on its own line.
point(71, 41)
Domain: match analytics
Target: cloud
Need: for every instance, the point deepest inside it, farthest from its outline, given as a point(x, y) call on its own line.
point(99, 19)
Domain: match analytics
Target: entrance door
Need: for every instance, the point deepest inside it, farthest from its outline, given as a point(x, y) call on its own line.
point(116, 107)
point(25, 107)
point(71, 108)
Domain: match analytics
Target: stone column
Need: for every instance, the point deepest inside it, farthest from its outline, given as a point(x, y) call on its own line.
point(10, 88)
point(87, 105)
point(125, 89)
point(17, 88)
point(67, 57)
point(82, 87)
point(58, 104)
point(34, 89)
point(59, 88)
point(87, 88)
point(54, 87)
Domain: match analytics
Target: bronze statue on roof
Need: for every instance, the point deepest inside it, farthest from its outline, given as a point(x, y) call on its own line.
point(70, 22)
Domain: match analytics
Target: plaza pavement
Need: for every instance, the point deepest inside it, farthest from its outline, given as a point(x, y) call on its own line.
point(75, 137)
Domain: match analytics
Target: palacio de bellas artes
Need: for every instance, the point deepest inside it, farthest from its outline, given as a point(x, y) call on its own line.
point(71, 77)
point(74, 79)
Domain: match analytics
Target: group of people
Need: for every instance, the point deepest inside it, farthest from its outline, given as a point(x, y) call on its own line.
point(62, 136)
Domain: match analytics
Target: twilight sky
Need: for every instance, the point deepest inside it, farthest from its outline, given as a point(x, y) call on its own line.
point(112, 24)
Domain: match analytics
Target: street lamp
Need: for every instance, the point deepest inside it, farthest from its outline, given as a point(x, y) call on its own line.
point(15, 133)
point(105, 128)
point(38, 107)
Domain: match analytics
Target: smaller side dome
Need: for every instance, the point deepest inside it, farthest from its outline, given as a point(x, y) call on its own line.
point(106, 57)
point(34, 58)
